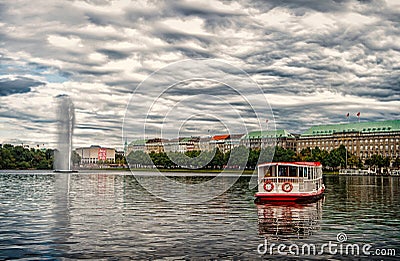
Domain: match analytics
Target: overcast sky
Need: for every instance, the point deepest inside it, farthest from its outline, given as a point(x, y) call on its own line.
point(313, 61)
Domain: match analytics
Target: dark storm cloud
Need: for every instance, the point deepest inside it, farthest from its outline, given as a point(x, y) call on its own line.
point(217, 90)
point(29, 116)
point(207, 119)
point(122, 86)
point(103, 19)
point(95, 72)
point(93, 127)
point(115, 54)
point(194, 9)
point(37, 66)
point(192, 53)
point(320, 6)
point(18, 85)
point(175, 37)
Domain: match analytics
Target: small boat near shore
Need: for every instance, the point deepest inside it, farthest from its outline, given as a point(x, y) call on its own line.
point(357, 172)
point(289, 182)
point(395, 172)
point(64, 171)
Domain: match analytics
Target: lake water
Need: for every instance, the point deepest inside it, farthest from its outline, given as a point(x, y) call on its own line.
point(108, 215)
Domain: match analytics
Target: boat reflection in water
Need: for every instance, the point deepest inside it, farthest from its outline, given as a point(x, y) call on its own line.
point(288, 220)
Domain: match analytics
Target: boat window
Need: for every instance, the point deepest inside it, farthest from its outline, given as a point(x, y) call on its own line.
point(305, 172)
point(283, 171)
point(292, 171)
point(269, 171)
point(301, 172)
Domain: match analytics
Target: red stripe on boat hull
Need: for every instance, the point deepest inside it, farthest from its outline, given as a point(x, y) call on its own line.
point(289, 196)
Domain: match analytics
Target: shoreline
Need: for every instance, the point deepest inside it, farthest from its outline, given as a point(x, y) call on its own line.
point(192, 171)
point(216, 171)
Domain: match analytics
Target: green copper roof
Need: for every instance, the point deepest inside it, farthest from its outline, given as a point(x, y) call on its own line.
point(138, 142)
point(268, 134)
point(363, 127)
point(185, 139)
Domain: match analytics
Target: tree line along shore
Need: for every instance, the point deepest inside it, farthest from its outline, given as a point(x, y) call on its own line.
point(242, 157)
point(18, 157)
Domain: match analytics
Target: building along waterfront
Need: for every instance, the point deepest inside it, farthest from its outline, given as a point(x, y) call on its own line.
point(263, 139)
point(96, 154)
point(363, 139)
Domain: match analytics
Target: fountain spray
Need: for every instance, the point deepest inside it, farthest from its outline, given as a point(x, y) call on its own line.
point(65, 129)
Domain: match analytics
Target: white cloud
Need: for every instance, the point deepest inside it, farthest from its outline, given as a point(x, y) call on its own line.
point(188, 26)
point(319, 21)
point(393, 4)
point(98, 57)
point(71, 42)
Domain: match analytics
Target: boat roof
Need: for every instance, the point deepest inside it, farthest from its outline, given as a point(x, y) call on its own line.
point(297, 163)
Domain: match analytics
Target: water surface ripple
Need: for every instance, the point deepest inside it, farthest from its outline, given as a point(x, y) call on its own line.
point(108, 215)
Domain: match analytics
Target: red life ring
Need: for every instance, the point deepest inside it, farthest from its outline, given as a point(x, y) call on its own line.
point(287, 186)
point(268, 186)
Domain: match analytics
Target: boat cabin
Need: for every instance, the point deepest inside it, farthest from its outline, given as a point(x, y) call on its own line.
point(289, 178)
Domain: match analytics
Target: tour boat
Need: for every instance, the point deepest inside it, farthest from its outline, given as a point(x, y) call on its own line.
point(289, 181)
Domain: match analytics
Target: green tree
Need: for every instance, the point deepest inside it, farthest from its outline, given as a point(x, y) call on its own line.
point(139, 159)
point(354, 162)
point(284, 155)
point(386, 162)
point(217, 161)
point(337, 157)
point(76, 158)
point(8, 160)
point(120, 158)
point(252, 161)
point(305, 155)
point(12, 157)
point(238, 156)
point(375, 161)
point(396, 162)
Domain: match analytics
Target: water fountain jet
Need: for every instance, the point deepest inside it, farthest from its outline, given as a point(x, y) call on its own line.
point(66, 122)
